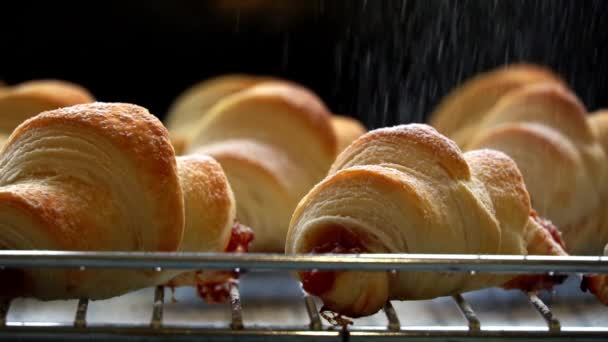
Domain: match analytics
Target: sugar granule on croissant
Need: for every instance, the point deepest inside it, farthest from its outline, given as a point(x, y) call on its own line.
point(408, 189)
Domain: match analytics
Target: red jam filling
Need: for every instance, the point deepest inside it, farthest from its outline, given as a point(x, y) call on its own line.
point(552, 229)
point(543, 281)
point(590, 283)
point(338, 241)
point(218, 290)
point(214, 287)
point(240, 238)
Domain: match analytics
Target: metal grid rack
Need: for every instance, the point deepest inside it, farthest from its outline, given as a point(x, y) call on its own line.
point(157, 329)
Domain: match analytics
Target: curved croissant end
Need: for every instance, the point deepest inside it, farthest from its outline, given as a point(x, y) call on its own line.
point(210, 208)
point(94, 177)
point(347, 130)
point(458, 113)
point(210, 226)
point(193, 103)
point(274, 141)
point(408, 189)
point(18, 103)
point(599, 124)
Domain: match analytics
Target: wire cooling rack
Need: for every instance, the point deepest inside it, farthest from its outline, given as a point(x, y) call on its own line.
point(465, 323)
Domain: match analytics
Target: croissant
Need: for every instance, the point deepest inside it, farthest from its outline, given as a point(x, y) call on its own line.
point(195, 102)
point(408, 189)
point(19, 102)
point(190, 106)
point(210, 224)
point(543, 127)
point(104, 177)
point(458, 114)
point(599, 124)
point(598, 284)
point(347, 130)
point(274, 142)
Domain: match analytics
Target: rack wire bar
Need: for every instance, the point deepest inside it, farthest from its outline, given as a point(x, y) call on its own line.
point(391, 315)
point(483, 335)
point(164, 334)
point(260, 261)
point(313, 313)
point(157, 307)
point(5, 304)
point(80, 319)
point(543, 310)
point(126, 333)
point(468, 312)
point(235, 307)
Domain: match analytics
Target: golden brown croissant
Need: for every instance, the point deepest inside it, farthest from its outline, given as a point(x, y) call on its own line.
point(210, 224)
point(460, 111)
point(19, 102)
point(543, 127)
point(274, 141)
point(194, 103)
point(347, 130)
point(408, 189)
point(598, 284)
point(599, 124)
point(190, 106)
point(209, 204)
point(103, 177)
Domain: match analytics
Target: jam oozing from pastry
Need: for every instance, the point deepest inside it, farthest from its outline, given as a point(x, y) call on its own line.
point(535, 282)
point(337, 240)
point(217, 291)
point(214, 286)
point(555, 233)
point(240, 238)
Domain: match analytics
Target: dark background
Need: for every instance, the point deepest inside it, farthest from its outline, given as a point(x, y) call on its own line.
point(382, 61)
